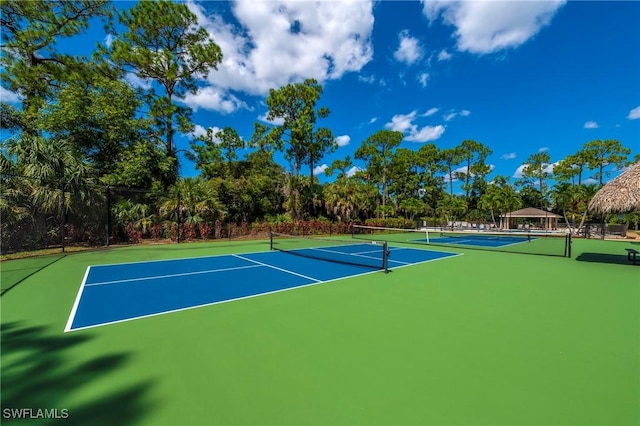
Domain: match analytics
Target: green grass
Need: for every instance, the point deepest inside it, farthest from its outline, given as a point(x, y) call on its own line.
point(482, 339)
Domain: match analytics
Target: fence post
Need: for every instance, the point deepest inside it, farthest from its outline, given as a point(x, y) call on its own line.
point(108, 215)
point(179, 217)
point(63, 220)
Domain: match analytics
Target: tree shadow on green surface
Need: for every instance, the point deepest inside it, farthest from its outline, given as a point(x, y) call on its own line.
point(619, 259)
point(16, 271)
point(38, 373)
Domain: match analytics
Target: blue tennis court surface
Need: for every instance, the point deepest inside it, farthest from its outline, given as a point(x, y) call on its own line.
point(116, 293)
point(477, 240)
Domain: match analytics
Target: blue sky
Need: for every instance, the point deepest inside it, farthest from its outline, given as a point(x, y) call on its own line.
point(519, 77)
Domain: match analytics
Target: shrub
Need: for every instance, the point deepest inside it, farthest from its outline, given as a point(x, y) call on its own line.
point(134, 235)
point(391, 222)
point(189, 231)
point(205, 230)
point(156, 231)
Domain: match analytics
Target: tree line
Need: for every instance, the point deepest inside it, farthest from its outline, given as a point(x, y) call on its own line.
point(84, 137)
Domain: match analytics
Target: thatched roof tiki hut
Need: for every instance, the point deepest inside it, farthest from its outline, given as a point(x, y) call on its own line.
point(621, 195)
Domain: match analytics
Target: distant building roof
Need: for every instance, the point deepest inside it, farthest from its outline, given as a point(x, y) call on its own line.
point(530, 212)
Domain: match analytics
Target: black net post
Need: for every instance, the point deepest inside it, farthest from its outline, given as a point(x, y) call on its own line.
point(270, 240)
point(385, 257)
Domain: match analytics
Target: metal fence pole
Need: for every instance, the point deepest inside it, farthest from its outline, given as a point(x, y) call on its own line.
point(63, 219)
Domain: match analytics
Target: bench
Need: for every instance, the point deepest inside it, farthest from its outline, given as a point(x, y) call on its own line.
point(631, 254)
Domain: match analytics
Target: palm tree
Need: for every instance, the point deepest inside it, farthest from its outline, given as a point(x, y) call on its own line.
point(490, 201)
point(191, 201)
point(54, 180)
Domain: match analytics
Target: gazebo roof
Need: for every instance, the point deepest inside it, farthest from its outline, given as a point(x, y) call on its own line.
point(531, 212)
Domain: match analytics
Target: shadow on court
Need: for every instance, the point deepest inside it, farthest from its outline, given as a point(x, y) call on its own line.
point(16, 271)
point(620, 259)
point(38, 373)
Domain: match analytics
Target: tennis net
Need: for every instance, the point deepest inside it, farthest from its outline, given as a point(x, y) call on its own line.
point(540, 243)
point(370, 254)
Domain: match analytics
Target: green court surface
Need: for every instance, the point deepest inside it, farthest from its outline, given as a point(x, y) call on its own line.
point(486, 338)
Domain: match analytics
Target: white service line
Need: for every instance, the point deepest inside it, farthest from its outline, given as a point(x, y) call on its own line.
point(276, 268)
point(349, 254)
point(210, 271)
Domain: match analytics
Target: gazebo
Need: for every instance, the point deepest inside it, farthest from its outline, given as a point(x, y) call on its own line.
point(545, 219)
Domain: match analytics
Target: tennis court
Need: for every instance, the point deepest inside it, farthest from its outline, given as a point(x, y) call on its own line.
point(484, 338)
point(478, 240)
point(115, 293)
point(548, 244)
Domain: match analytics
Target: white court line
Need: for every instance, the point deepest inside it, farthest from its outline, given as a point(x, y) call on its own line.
point(361, 254)
point(474, 243)
point(347, 254)
point(277, 268)
point(77, 301)
point(210, 271)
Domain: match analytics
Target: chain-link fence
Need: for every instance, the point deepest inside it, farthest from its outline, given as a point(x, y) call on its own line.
point(34, 216)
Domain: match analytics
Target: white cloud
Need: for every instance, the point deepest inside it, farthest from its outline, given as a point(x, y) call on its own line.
point(591, 125)
point(404, 123)
point(462, 170)
point(199, 130)
point(548, 168)
point(489, 26)
point(543, 149)
point(108, 40)
point(343, 140)
point(423, 78)
point(262, 52)
point(508, 156)
point(453, 114)
point(352, 171)
point(518, 173)
point(202, 131)
point(136, 81)
point(409, 50)
point(589, 181)
point(320, 169)
point(213, 99)
point(444, 55)
point(430, 112)
point(373, 120)
point(9, 97)
point(450, 177)
point(425, 134)
point(276, 122)
point(634, 114)
point(369, 79)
